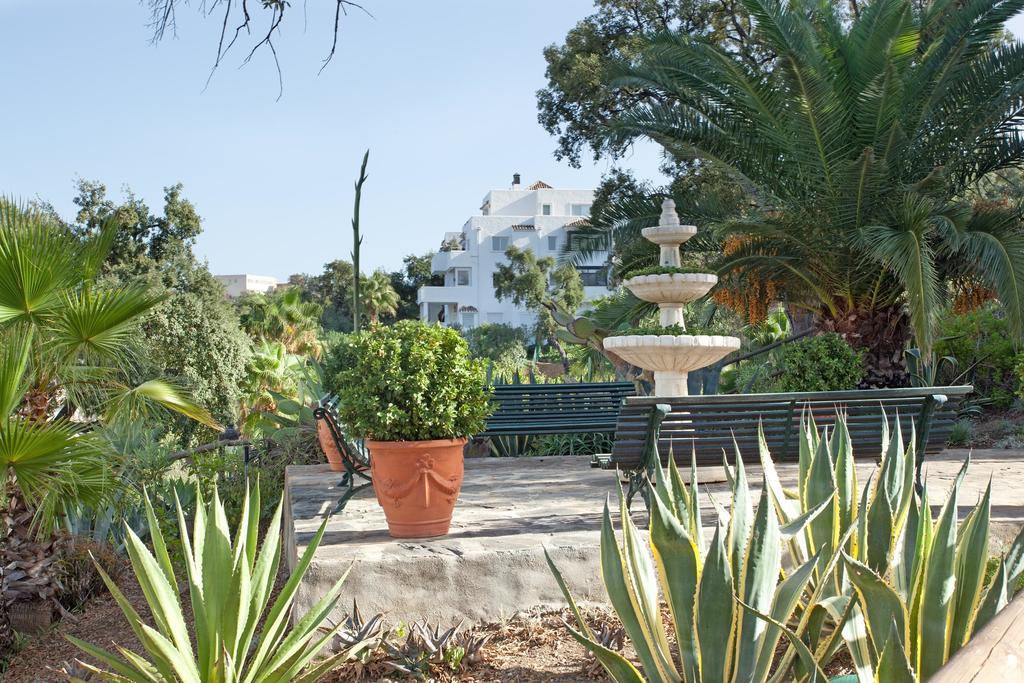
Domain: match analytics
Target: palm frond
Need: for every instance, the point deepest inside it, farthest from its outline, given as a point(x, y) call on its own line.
point(133, 402)
point(37, 264)
point(903, 247)
point(15, 345)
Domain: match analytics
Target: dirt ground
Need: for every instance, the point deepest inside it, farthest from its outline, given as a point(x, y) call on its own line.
point(529, 648)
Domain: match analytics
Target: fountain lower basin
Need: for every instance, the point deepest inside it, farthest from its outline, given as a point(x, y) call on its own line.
point(671, 357)
point(671, 288)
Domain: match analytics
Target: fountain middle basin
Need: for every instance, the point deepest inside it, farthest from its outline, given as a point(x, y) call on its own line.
point(671, 356)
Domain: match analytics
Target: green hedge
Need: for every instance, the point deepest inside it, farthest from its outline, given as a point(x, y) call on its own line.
point(981, 339)
point(822, 363)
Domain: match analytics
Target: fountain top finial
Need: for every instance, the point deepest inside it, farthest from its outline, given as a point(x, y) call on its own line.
point(669, 217)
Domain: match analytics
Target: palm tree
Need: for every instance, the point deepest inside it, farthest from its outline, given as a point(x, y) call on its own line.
point(272, 374)
point(66, 354)
point(284, 317)
point(861, 144)
point(379, 297)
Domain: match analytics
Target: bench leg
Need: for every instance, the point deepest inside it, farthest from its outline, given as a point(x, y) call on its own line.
point(923, 429)
point(641, 478)
point(343, 501)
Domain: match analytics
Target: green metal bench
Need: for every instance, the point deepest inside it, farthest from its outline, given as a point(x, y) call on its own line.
point(649, 428)
point(537, 409)
point(354, 456)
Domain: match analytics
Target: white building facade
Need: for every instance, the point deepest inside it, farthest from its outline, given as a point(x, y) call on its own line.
point(237, 285)
point(537, 217)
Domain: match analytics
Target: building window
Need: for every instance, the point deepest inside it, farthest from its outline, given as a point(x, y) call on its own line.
point(593, 276)
point(468, 319)
point(552, 242)
point(495, 318)
point(545, 209)
point(462, 277)
point(499, 244)
point(579, 209)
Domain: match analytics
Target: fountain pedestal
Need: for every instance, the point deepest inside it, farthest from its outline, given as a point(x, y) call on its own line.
point(671, 357)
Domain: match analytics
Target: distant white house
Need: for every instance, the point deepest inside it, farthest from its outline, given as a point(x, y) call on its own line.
point(237, 285)
point(537, 217)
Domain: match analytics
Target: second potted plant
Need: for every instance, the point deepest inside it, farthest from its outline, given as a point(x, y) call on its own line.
point(413, 392)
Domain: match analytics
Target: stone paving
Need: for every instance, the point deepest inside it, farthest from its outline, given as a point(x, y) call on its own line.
point(492, 562)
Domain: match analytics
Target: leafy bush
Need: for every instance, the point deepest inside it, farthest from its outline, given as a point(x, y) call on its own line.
point(198, 343)
point(337, 357)
point(982, 345)
point(230, 583)
point(961, 434)
point(491, 341)
point(571, 444)
point(412, 382)
point(822, 363)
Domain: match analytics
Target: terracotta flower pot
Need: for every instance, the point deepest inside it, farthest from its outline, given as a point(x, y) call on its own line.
point(417, 484)
point(328, 446)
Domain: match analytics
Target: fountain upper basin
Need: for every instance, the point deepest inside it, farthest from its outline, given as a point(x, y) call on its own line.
point(669, 234)
point(668, 352)
point(671, 288)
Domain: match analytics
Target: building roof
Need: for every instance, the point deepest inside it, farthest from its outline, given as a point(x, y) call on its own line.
point(578, 222)
point(540, 185)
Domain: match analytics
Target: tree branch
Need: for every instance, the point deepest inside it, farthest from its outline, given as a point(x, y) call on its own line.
point(206, 447)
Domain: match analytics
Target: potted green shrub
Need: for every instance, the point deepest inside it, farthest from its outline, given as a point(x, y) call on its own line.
point(413, 392)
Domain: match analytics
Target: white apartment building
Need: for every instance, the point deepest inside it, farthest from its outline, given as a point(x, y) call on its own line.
point(537, 217)
point(237, 285)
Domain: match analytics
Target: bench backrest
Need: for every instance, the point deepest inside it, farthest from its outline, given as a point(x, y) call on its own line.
point(541, 406)
point(710, 424)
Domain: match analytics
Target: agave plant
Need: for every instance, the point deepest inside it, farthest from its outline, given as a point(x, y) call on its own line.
point(729, 609)
point(903, 574)
point(920, 584)
point(230, 582)
point(874, 572)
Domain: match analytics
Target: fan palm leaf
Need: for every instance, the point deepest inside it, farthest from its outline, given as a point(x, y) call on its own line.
point(67, 347)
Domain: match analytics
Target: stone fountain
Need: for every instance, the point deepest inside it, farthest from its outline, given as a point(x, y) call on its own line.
point(671, 356)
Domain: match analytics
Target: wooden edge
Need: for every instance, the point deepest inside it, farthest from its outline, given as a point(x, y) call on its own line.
point(994, 655)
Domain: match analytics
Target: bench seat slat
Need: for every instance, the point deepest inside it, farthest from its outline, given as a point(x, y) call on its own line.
point(541, 409)
point(711, 424)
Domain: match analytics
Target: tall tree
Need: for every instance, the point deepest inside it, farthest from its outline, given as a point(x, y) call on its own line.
point(579, 101)
point(534, 284)
point(145, 238)
point(862, 141)
point(416, 272)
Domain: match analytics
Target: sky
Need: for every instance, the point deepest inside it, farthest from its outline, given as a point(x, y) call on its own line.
point(441, 92)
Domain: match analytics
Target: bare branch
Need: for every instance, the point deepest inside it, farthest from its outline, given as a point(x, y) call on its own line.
point(163, 18)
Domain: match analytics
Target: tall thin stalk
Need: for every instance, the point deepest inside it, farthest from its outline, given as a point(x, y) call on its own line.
point(357, 241)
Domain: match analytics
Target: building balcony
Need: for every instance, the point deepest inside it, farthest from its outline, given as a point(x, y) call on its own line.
point(443, 261)
point(462, 295)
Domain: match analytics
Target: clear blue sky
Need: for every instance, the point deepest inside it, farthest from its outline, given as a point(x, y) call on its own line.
point(441, 92)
